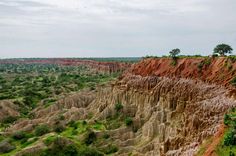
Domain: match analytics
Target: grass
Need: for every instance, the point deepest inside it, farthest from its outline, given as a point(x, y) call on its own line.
point(203, 147)
point(227, 145)
point(223, 150)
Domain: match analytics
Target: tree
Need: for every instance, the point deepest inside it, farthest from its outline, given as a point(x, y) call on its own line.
point(174, 53)
point(223, 49)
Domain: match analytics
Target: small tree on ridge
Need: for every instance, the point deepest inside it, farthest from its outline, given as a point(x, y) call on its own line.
point(223, 49)
point(174, 53)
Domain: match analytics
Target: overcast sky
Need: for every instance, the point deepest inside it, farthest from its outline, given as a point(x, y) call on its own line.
point(109, 28)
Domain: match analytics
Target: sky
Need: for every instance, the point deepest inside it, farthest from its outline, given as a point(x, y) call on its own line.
point(114, 28)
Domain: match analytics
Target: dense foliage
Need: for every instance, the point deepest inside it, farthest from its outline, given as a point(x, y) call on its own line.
point(223, 49)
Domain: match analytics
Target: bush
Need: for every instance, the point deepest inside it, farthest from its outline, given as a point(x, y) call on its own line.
point(19, 135)
point(128, 121)
point(61, 147)
point(206, 62)
point(231, 153)
point(59, 128)
point(41, 130)
point(9, 119)
point(87, 151)
point(118, 107)
point(74, 132)
point(84, 122)
point(49, 140)
point(229, 138)
point(110, 149)
point(233, 81)
point(174, 62)
point(226, 119)
point(106, 136)
point(61, 117)
point(73, 124)
point(6, 146)
point(90, 137)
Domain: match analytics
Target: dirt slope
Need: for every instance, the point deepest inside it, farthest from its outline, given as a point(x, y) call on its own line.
point(219, 70)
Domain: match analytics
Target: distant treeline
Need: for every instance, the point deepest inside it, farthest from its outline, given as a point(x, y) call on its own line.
point(99, 59)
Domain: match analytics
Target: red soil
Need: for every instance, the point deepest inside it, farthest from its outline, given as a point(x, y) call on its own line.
point(217, 72)
point(216, 140)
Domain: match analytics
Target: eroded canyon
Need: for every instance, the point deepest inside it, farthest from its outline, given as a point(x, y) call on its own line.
point(152, 109)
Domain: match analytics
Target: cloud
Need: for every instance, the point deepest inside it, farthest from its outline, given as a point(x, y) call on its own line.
point(38, 28)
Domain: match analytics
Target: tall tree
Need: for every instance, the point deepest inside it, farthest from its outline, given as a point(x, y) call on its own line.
point(174, 53)
point(223, 49)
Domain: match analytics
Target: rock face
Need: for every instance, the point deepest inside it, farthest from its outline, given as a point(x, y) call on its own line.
point(217, 71)
point(172, 116)
point(72, 108)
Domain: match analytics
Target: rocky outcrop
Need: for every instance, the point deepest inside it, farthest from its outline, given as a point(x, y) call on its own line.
point(218, 71)
point(7, 108)
point(72, 107)
point(172, 115)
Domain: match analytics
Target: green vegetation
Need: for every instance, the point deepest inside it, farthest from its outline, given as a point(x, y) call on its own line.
point(227, 145)
point(229, 138)
point(30, 84)
point(19, 135)
point(9, 120)
point(41, 130)
point(118, 107)
point(174, 55)
point(233, 81)
point(128, 121)
point(59, 128)
point(6, 146)
point(90, 137)
point(205, 63)
point(110, 149)
point(223, 49)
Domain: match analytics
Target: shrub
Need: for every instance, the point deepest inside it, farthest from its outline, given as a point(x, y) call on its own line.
point(128, 121)
point(41, 130)
point(233, 81)
point(229, 138)
point(88, 151)
point(118, 107)
point(106, 136)
point(73, 124)
point(9, 119)
point(84, 122)
point(90, 137)
point(49, 140)
point(226, 119)
point(59, 128)
point(19, 135)
point(110, 149)
point(231, 153)
point(74, 132)
point(205, 62)
point(61, 117)
point(61, 147)
point(174, 62)
point(6, 146)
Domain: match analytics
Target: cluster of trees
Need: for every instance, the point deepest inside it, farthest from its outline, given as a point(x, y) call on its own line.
point(221, 49)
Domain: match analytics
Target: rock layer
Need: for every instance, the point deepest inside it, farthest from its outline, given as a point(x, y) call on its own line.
point(172, 116)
